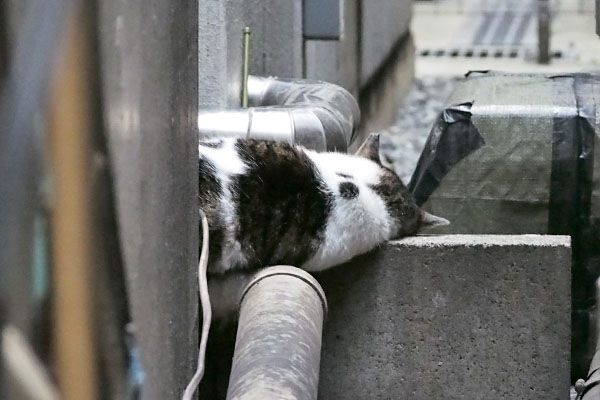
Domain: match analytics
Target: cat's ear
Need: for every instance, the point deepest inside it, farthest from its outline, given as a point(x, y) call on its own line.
point(370, 148)
point(430, 220)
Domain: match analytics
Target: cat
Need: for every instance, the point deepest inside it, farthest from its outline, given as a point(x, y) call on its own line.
point(272, 203)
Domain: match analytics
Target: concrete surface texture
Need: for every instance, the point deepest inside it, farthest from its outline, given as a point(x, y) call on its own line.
point(450, 317)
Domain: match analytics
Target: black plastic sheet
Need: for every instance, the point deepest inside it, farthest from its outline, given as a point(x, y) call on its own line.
point(452, 138)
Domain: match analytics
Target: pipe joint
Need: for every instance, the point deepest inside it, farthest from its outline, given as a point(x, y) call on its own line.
point(318, 115)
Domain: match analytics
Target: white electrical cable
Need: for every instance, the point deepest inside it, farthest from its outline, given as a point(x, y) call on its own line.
point(206, 311)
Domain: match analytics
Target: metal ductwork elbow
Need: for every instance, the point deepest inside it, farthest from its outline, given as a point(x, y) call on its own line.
point(318, 115)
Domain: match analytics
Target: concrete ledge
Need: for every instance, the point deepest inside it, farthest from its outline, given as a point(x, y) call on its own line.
point(460, 316)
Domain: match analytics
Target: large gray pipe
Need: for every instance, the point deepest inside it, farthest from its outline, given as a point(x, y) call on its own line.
point(278, 345)
point(318, 115)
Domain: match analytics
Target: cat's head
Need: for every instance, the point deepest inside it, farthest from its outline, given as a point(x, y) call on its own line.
point(408, 218)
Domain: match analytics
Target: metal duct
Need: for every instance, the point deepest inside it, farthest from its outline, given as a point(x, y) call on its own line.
point(318, 115)
point(278, 344)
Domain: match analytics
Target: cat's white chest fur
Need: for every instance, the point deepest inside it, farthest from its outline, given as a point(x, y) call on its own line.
point(355, 225)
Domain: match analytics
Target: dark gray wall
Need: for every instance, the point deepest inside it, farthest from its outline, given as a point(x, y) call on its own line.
point(371, 29)
point(149, 51)
point(337, 61)
point(275, 45)
point(384, 22)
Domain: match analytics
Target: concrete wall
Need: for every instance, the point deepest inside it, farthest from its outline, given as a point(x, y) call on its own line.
point(384, 22)
point(436, 317)
point(150, 94)
point(338, 61)
point(275, 45)
point(371, 33)
point(449, 317)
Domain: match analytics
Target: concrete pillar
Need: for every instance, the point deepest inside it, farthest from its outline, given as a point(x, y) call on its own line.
point(448, 317)
point(149, 50)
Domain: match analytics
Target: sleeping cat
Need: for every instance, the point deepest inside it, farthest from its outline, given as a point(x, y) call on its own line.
point(271, 203)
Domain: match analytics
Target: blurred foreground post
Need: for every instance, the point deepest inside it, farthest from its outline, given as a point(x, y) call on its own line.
point(544, 23)
point(149, 57)
point(71, 129)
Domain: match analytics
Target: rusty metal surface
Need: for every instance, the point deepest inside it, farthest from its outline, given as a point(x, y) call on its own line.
point(150, 91)
point(278, 345)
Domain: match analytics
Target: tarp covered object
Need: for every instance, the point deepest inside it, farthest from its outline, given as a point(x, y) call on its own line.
point(517, 154)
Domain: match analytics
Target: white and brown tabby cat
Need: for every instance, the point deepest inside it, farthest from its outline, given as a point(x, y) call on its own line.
point(271, 203)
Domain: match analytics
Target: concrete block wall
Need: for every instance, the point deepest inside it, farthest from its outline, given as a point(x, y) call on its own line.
point(372, 33)
point(450, 317)
point(437, 317)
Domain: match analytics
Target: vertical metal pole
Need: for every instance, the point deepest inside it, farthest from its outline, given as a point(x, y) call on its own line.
point(245, 67)
point(544, 22)
point(598, 17)
point(278, 345)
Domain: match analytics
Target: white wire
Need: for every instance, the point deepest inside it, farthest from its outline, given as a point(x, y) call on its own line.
point(206, 311)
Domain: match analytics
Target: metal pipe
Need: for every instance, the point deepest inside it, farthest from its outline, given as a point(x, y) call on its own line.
point(598, 17)
point(319, 115)
point(544, 21)
point(245, 67)
point(278, 345)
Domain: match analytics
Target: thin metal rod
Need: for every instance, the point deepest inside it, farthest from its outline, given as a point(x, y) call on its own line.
point(598, 17)
point(245, 67)
point(544, 32)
